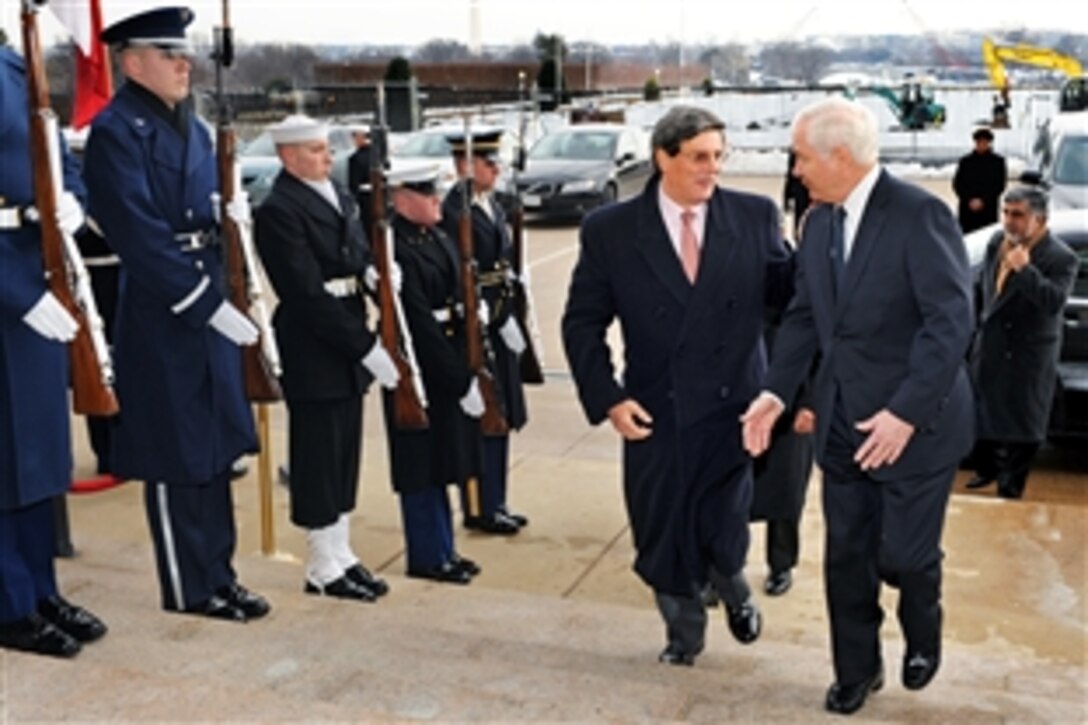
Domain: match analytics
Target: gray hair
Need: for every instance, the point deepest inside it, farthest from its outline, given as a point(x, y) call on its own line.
point(680, 124)
point(835, 121)
point(1037, 199)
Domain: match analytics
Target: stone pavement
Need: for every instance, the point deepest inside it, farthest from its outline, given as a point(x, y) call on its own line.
point(557, 627)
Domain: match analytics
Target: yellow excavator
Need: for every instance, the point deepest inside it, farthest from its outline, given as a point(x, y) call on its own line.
point(996, 56)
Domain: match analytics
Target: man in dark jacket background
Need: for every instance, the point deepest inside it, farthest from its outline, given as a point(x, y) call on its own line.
point(1022, 287)
point(978, 182)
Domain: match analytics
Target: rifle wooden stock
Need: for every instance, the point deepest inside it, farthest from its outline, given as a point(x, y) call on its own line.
point(91, 394)
point(531, 371)
point(493, 422)
point(408, 410)
point(260, 382)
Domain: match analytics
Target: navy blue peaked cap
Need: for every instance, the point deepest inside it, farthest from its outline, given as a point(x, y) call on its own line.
point(161, 27)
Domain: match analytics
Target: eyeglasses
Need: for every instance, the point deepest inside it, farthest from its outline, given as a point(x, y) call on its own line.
point(703, 158)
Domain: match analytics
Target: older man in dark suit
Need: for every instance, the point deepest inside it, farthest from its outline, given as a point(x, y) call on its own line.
point(687, 269)
point(883, 294)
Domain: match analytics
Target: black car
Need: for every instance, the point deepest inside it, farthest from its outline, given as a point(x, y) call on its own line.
point(1069, 415)
point(575, 169)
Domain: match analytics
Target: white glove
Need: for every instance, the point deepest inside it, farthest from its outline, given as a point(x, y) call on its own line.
point(238, 209)
point(511, 335)
point(69, 213)
point(483, 312)
point(49, 319)
point(371, 277)
point(381, 366)
point(473, 403)
point(233, 325)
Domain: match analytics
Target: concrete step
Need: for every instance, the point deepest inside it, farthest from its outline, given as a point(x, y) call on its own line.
point(431, 651)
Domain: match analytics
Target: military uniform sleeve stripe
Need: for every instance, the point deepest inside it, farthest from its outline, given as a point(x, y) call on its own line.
point(192, 297)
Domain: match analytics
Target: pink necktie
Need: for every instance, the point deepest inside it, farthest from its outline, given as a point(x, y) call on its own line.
point(689, 246)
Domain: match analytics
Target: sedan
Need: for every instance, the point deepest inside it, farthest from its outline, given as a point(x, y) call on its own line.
point(576, 169)
point(1069, 414)
point(260, 164)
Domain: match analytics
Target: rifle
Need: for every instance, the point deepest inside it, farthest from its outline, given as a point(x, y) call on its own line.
point(409, 397)
point(493, 422)
point(531, 370)
point(260, 362)
point(89, 357)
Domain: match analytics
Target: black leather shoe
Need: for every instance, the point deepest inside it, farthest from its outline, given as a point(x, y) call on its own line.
point(778, 583)
point(919, 669)
point(977, 481)
point(364, 578)
point(73, 620)
point(674, 654)
point(497, 523)
point(519, 519)
point(217, 608)
point(447, 572)
point(342, 588)
point(465, 564)
point(745, 622)
point(34, 634)
point(238, 469)
point(848, 699)
point(253, 605)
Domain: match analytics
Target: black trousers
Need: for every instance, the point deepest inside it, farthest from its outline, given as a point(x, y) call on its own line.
point(877, 530)
point(783, 543)
point(325, 441)
point(192, 527)
point(1008, 462)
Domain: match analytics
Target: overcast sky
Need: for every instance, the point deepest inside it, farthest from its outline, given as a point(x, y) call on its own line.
point(606, 21)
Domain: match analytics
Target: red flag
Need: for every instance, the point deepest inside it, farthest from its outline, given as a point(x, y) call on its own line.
point(94, 86)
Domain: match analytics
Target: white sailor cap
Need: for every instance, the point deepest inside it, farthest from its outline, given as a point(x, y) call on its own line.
point(358, 127)
point(421, 179)
point(298, 129)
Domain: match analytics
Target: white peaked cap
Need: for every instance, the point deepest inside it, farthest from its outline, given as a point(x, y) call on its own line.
point(298, 129)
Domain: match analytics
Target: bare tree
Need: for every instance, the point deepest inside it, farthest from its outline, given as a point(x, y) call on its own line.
point(441, 50)
point(795, 61)
point(728, 63)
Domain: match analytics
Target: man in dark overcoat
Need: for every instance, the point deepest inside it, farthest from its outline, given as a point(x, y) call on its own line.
point(978, 182)
point(484, 504)
point(883, 297)
point(35, 447)
point(359, 173)
point(150, 171)
point(313, 246)
point(424, 463)
point(1022, 286)
point(686, 268)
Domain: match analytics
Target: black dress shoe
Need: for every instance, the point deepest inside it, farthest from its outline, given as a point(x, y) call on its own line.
point(465, 564)
point(919, 669)
point(674, 654)
point(253, 605)
point(447, 572)
point(342, 588)
point(34, 634)
point(519, 519)
point(497, 523)
point(778, 583)
point(238, 469)
point(217, 608)
point(73, 620)
point(848, 699)
point(362, 576)
point(745, 622)
point(710, 597)
point(977, 481)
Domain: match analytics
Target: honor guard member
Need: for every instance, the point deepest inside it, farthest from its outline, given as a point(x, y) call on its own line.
point(35, 448)
point(424, 463)
point(485, 509)
point(315, 251)
point(359, 172)
point(151, 174)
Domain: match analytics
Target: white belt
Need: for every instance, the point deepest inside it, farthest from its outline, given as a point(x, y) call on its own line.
point(342, 286)
point(111, 260)
point(11, 217)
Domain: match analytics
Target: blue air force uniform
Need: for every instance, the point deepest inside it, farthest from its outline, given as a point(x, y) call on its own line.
point(151, 172)
point(35, 448)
